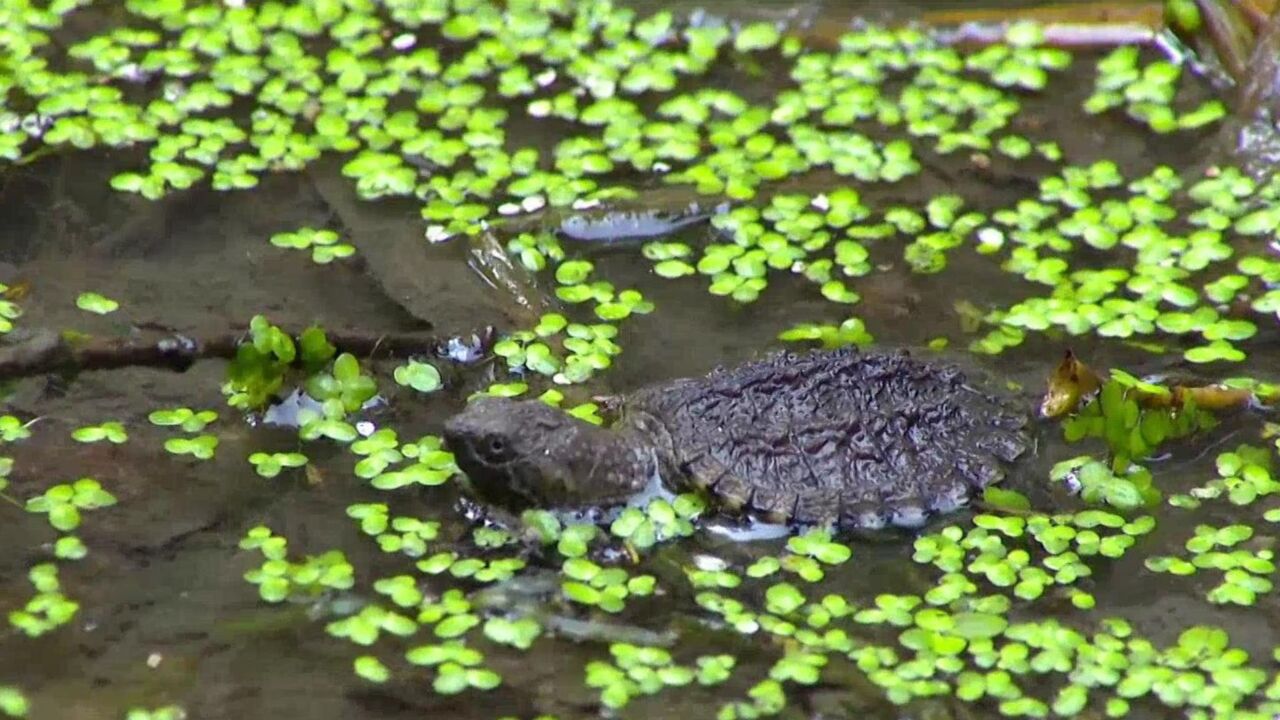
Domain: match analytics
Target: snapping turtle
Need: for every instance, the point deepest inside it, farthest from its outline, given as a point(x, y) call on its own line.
point(861, 440)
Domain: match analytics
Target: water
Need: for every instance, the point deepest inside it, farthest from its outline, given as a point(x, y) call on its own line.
point(165, 614)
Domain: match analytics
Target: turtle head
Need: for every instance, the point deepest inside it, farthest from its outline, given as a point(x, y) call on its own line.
point(525, 453)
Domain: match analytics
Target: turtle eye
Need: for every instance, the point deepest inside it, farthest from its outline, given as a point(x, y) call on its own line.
point(496, 448)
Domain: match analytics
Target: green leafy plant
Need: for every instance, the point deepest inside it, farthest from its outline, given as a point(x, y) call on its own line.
point(1131, 431)
point(259, 368)
point(343, 391)
point(1244, 475)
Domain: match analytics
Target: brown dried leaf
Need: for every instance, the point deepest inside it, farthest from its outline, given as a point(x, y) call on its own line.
point(1070, 381)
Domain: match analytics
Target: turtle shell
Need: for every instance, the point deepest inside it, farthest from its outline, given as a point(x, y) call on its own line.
point(859, 439)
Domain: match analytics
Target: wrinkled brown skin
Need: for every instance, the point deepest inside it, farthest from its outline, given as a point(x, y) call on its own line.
point(826, 437)
point(525, 453)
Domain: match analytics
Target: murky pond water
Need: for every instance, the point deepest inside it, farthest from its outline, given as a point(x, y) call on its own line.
point(165, 615)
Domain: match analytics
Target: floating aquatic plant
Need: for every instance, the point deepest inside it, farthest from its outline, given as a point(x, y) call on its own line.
point(645, 670)
point(12, 702)
point(167, 712)
point(279, 579)
point(323, 244)
point(112, 431)
point(63, 503)
point(95, 303)
point(421, 376)
point(269, 465)
point(201, 447)
point(659, 520)
point(48, 609)
point(185, 418)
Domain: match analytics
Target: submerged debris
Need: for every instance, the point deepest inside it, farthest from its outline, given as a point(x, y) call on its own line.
point(513, 281)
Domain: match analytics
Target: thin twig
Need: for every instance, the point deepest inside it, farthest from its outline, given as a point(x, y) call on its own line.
point(1255, 12)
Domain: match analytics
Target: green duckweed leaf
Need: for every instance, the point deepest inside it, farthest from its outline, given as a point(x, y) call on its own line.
point(95, 303)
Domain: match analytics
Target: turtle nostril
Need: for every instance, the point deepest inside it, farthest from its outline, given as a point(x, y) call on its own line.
point(454, 438)
point(449, 434)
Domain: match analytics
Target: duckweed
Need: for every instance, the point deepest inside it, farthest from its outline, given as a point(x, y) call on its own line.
point(12, 702)
point(49, 609)
point(201, 447)
point(63, 503)
point(519, 633)
point(658, 521)
point(1244, 475)
point(645, 670)
point(364, 627)
point(97, 304)
point(419, 124)
point(271, 465)
point(188, 420)
point(14, 430)
point(166, 712)
point(606, 588)
point(421, 376)
point(323, 244)
point(278, 579)
point(1211, 548)
point(371, 668)
point(112, 431)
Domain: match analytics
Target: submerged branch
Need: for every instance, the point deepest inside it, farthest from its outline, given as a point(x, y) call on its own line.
point(47, 351)
point(1065, 25)
point(1105, 23)
point(1259, 92)
point(1230, 36)
point(1256, 12)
